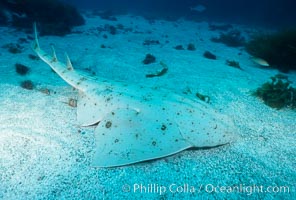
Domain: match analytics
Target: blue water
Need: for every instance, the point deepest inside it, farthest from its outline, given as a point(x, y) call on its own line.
point(262, 12)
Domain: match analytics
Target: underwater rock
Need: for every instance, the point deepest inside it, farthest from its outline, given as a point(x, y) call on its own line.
point(110, 29)
point(149, 59)
point(191, 47)
point(151, 42)
point(179, 47)
point(33, 57)
point(209, 55)
point(13, 48)
point(27, 84)
point(21, 69)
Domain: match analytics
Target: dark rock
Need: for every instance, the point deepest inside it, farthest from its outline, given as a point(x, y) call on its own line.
point(209, 55)
point(13, 48)
point(149, 59)
point(151, 42)
point(21, 69)
point(179, 47)
point(27, 85)
point(191, 47)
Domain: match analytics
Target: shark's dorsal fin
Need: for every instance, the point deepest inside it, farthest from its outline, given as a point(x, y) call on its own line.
point(69, 64)
point(54, 55)
point(36, 43)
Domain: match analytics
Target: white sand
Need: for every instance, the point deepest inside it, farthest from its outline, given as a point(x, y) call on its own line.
point(45, 154)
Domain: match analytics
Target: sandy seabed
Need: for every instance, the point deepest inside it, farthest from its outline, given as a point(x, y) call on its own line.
point(46, 154)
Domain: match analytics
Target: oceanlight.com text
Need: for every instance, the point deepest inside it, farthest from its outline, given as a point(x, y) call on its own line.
point(202, 188)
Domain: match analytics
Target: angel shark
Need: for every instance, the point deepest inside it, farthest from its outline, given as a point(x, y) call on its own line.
point(136, 123)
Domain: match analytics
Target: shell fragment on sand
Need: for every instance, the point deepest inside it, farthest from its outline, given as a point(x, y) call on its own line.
point(136, 123)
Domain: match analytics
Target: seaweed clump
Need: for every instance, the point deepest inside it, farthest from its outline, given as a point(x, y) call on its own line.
point(278, 49)
point(233, 63)
point(278, 93)
point(232, 39)
point(162, 72)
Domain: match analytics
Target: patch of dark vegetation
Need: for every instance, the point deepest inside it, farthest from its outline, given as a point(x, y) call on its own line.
point(53, 16)
point(191, 47)
point(27, 84)
point(233, 63)
point(209, 55)
point(278, 49)
point(151, 42)
point(103, 46)
point(33, 57)
point(149, 59)
point(162, 72)
point(13, 48)
point(179, 47)
point(21, 69)
point(278, 93)
point(232, 39)
point(220, 27)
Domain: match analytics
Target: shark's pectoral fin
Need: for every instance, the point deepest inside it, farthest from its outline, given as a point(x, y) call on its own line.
point(126, 136)
point(90, 110)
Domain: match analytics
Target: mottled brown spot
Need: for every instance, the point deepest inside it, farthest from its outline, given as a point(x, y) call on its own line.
point(108, 124)
point(72, 103)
